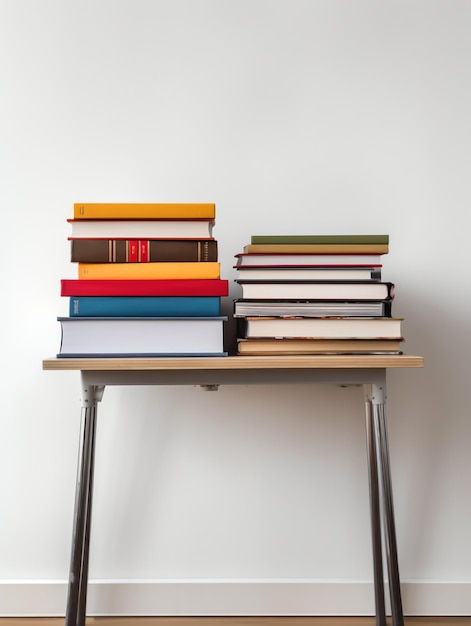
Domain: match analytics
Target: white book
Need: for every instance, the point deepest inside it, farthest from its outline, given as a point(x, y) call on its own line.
point(317, 327)
point(296, 308)
point(285, 259)
point(141, 229)
point(316, 290)
point(307, 273)
point(143, 336)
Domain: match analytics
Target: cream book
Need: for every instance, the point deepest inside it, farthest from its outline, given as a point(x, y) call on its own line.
point(320, 327)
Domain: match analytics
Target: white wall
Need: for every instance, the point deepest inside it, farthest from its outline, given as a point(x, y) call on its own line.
point(292, 116)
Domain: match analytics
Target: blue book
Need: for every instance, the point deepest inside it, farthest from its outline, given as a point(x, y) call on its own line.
point(144, 306)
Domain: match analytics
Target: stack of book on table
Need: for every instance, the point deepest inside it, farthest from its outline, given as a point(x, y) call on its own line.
point(147, 284)
point(315, 294)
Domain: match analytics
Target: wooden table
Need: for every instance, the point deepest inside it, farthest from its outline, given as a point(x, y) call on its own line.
point(210, 372)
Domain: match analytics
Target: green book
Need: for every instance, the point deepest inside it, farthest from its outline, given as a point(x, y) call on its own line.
point(321, 239)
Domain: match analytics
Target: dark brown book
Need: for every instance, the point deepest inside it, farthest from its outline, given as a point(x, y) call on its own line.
point(143, 250)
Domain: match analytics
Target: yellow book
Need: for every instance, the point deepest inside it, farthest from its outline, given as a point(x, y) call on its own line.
point(148, 271)
point(143, 210)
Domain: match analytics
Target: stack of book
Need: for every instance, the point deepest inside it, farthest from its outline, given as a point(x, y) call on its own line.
point(315, 294)
point(148, 282)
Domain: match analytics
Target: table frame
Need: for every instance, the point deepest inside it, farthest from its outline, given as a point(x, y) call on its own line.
point(210, 372)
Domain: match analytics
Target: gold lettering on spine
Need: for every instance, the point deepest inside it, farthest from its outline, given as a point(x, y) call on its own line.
point(205, 251)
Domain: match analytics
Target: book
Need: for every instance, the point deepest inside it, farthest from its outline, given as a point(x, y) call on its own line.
point(317, 290)
point(144, 306)
point(311, 308)
point(315, 260)
point(181, 287)
point(308, 273)
point(142, 336)
point(320, 327)
point(142, 250)
point(322, 239)
point(143, 210)
point(261, 347)
point(87, 271)
point(141, 229)
point(317, 248)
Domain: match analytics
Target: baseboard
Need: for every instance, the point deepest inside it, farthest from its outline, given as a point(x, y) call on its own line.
point(230, 597)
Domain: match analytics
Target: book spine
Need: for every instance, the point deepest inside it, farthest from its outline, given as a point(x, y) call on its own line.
point(143, 250)
point(117, 287)
point(151, 271)
point(317, 248)
point(320, 239)
point(141, 229)
point(106, 306)
point(133, 211)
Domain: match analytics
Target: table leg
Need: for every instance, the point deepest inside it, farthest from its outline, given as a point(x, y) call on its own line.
point(377, 400)
point(78, 576)
point(375, 516)
point(388, 521)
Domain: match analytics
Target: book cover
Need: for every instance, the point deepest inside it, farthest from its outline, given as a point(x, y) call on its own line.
point(152, 271)
point(320, 327)
point(143, 250)
point(312, 308)
point(117, 287)
point(315, 248)
point(141, 229)
point(261, 347)
point(144, 306)
point(323, 239)
point(143, 336)
point(307, 273)
point(314, 260)
point(143, 210)
point(317, 290)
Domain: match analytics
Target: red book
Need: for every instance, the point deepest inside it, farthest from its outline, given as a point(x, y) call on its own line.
point(180, 287)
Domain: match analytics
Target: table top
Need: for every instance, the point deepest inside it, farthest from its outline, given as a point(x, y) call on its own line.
point(233, 363)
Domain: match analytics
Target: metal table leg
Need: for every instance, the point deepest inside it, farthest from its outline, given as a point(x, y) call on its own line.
point(375, 516)
point(376, 399)
point(78, 576)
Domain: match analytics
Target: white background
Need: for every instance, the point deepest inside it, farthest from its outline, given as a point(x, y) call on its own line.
point(334, 116)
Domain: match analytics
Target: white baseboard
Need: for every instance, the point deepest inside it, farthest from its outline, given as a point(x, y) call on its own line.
point(230, 597)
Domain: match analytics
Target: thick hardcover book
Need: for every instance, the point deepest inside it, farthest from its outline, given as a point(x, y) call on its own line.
point(314, 260)
point(195, 287)
point(324, 239)
point(317, 248)
point(143, 250)
point(261, 347)
point(144, 306)
point(142, 336)
point(307, 273)
point(317, 290)
point(141, 229)
point(151, 271)
point(311, 308)
point(143, 210)
point(320, 327)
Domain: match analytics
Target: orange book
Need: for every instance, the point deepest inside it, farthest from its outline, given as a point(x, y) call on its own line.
point(143, 210)
point(148, 271)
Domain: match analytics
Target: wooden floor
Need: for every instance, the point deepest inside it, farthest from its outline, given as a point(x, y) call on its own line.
point(237, 621)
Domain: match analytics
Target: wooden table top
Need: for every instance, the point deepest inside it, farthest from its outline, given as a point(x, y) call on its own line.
point(232, 363)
